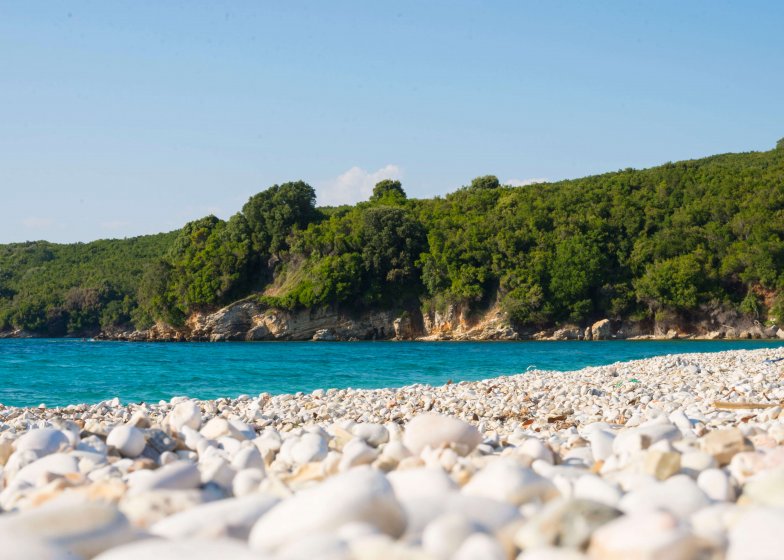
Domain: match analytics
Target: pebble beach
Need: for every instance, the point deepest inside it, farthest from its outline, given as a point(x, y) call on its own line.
point(673, 457)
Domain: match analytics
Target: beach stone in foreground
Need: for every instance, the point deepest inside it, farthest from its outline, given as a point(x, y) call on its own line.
point(179, 549)
point(362, 494)
point(83, 528)
point(436, 430)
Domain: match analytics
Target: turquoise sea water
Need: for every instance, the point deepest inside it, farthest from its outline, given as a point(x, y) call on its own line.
point(68, 371)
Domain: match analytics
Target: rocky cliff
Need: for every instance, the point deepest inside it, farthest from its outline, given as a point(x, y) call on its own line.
point(248, 320)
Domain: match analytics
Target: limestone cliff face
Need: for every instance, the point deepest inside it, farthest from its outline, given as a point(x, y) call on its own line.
point(457, 323)
point(247, 320)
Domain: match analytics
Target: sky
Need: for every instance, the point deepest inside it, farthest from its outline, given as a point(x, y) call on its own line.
point(126, 118)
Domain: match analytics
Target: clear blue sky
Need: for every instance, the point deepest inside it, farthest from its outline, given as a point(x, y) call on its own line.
point(124, 118)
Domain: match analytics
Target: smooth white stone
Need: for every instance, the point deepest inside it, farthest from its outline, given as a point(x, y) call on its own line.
point(480, 546)
point(766, 488)
point(190, 549)
point(232, 517)
point(361, 494)
point(592, 487)
point(694, 462)
point(248, 458)
point(601, 444)
point(58, 464)
point(86, 528)
point(716, 485)
point(443, 536)
point(434, 430)
point(42, 441)
point(185, 414)
point(357, 452)
point(310, 447)
point(247, 482)
point(410, 484)
point(536, 449)
point(180, 475)
point(373, 434)
point(17, 548)
point(678, 495)
point(506, 480)
point(129, 441)
point(548, 553)
point(758, 534)
point(653, 535)
point(321, 546)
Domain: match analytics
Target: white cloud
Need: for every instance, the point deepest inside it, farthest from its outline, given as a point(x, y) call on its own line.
point(354, 185)
point(525, 182)
point(34, 222)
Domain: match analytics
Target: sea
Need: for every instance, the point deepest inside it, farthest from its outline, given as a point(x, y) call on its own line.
point(58, 372)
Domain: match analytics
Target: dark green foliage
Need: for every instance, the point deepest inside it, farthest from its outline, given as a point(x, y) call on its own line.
point(388, 192)
point(273, 214)
point(660, 242)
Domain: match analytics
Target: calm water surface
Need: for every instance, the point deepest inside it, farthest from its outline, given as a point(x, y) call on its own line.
point(66, 371)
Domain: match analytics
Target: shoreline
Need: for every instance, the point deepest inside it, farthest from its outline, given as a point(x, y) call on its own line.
point(538, 465)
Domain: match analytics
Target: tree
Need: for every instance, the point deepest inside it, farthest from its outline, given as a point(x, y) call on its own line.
point(272, 214)
point(485, 182)
point(388, 192)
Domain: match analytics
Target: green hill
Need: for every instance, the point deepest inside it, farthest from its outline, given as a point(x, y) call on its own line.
point(673, 240)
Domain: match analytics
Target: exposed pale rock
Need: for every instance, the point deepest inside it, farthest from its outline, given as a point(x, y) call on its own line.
point(185, 414)
point(678, 495)
point(716, 485)
point(16, 548)
point(652, 535)
point(84, 528)
point(443, 536)
point(758, 534)
point(190, 549)
point(232, 517)
point(662, 464)
point(42, 441)
point(505, 480)
point(435, 430)
point(766, 488)
point(361, 494)
point(310, 447)
point(723, 444)
point(129, 441)
point(180, 475)
point(565, 522)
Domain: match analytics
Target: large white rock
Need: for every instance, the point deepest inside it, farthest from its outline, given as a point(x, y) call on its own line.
point(411, 484)
point(443, 536)
point(42, 441)
point(434, 430)
point(17, 548)
point(190, 549)
point(678, 495)
point(185, 414)
point(56, 464)
point(129, 441)
point(716, 484)
point(232, 517)
point(362, 494)
point(757, 535)
point(84, 528)
point(480, 546)
point(309, 447)
point(653, 535)
point(180, 475)
point(506, 480)
point(373, 434)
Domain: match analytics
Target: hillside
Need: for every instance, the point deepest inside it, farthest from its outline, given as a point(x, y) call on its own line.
point(699, 241)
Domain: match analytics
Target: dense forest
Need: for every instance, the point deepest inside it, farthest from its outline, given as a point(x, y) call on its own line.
point(670, 240)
